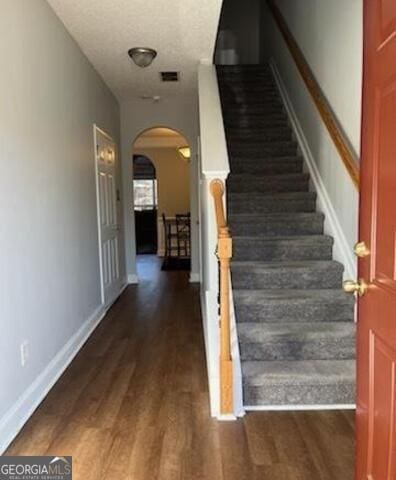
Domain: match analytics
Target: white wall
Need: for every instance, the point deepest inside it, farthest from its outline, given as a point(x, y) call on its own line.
point(330, 36)
point(49, 273)
point(181, 114)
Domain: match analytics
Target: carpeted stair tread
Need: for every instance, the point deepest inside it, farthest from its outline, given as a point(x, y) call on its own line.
point(262, 159)
point(255, 111)
point(278, 224)
point(285, 182)
point(271, 203)
point(308, 274)
point(305, 247)
point(234, 95)
point(249, 135)
point(297, 341)
point(278, 148)
point(245, 138)
point(270, 166)
point(304, 382)
point(256, 123)
point(299, 372)
point(293, 305)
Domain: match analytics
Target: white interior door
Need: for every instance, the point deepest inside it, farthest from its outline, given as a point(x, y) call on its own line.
point(109, 228)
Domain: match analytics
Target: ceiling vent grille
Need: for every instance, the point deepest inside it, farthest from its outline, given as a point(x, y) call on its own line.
point(169, 76)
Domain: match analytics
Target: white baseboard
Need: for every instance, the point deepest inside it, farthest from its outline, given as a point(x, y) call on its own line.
point(290, 408)
point(15, 418)
point(342, 250)
point(194, 277)
point(208, 302)
point(132, 279)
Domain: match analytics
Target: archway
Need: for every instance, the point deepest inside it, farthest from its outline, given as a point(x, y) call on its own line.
point(169, 154)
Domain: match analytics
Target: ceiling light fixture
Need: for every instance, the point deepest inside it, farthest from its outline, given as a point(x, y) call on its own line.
point(185, 152)
point(142, 56)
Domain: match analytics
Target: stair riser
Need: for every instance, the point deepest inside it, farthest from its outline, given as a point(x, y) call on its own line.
point(247, 83)
point(257, 123)
point(233, 95)
point(249, 249)
point(251, 101)
point(326, 349)
point(245, 139)
point(268, 228)
point(269, 149)
point(289, 312)
point(236, 204)
point(260, 77)
point(268, 168)
point(309, 278)
point(252, 111)
point(257, 185)
point(341, 394)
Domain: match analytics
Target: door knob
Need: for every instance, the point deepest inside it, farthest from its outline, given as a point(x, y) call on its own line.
point(361, 250)
point(358, 288)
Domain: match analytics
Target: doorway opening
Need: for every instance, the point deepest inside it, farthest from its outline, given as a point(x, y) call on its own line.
point(161, 187)
point(145, 193)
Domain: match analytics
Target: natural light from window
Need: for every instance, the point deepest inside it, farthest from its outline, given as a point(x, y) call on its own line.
point(145, 194)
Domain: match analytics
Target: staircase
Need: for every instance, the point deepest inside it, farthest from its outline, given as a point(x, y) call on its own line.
point(295, 324)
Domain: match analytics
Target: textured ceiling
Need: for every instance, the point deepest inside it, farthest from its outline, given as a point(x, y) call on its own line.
point(182, 31)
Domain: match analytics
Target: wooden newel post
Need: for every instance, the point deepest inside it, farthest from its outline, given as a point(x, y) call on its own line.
point(224, 254)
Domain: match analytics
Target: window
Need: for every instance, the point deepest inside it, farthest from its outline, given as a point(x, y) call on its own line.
point(145, 194)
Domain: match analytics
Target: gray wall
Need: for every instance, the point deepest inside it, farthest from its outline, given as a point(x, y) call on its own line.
point(49, 267)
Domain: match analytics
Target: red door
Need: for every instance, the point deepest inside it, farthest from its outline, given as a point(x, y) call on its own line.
point(376, 397)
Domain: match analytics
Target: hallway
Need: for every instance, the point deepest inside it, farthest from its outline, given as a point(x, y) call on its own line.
point(134, 404)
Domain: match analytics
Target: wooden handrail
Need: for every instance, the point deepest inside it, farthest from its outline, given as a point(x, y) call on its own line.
point(224, 254)
point(325, 111)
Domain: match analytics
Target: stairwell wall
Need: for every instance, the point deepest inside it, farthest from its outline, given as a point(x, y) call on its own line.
point(330, 37)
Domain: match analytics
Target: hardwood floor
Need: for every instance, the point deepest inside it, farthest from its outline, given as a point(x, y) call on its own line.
point(134, 405)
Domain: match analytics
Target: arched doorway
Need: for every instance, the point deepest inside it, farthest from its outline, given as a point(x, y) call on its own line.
point(168, 153)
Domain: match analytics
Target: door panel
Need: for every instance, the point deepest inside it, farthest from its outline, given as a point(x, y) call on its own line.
point(388, 20)
point(376, 391)
point(382, 408)
point(111, 281)
point(385, 167)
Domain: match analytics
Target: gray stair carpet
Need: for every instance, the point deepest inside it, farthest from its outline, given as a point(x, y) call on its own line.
point(295, 325)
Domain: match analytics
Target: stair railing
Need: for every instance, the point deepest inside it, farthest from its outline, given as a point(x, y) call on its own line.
point(224, 255)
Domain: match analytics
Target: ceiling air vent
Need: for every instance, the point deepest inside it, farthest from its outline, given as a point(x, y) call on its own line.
point(169, 76)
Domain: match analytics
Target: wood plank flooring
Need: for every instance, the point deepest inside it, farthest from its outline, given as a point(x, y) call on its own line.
point(134, 405)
